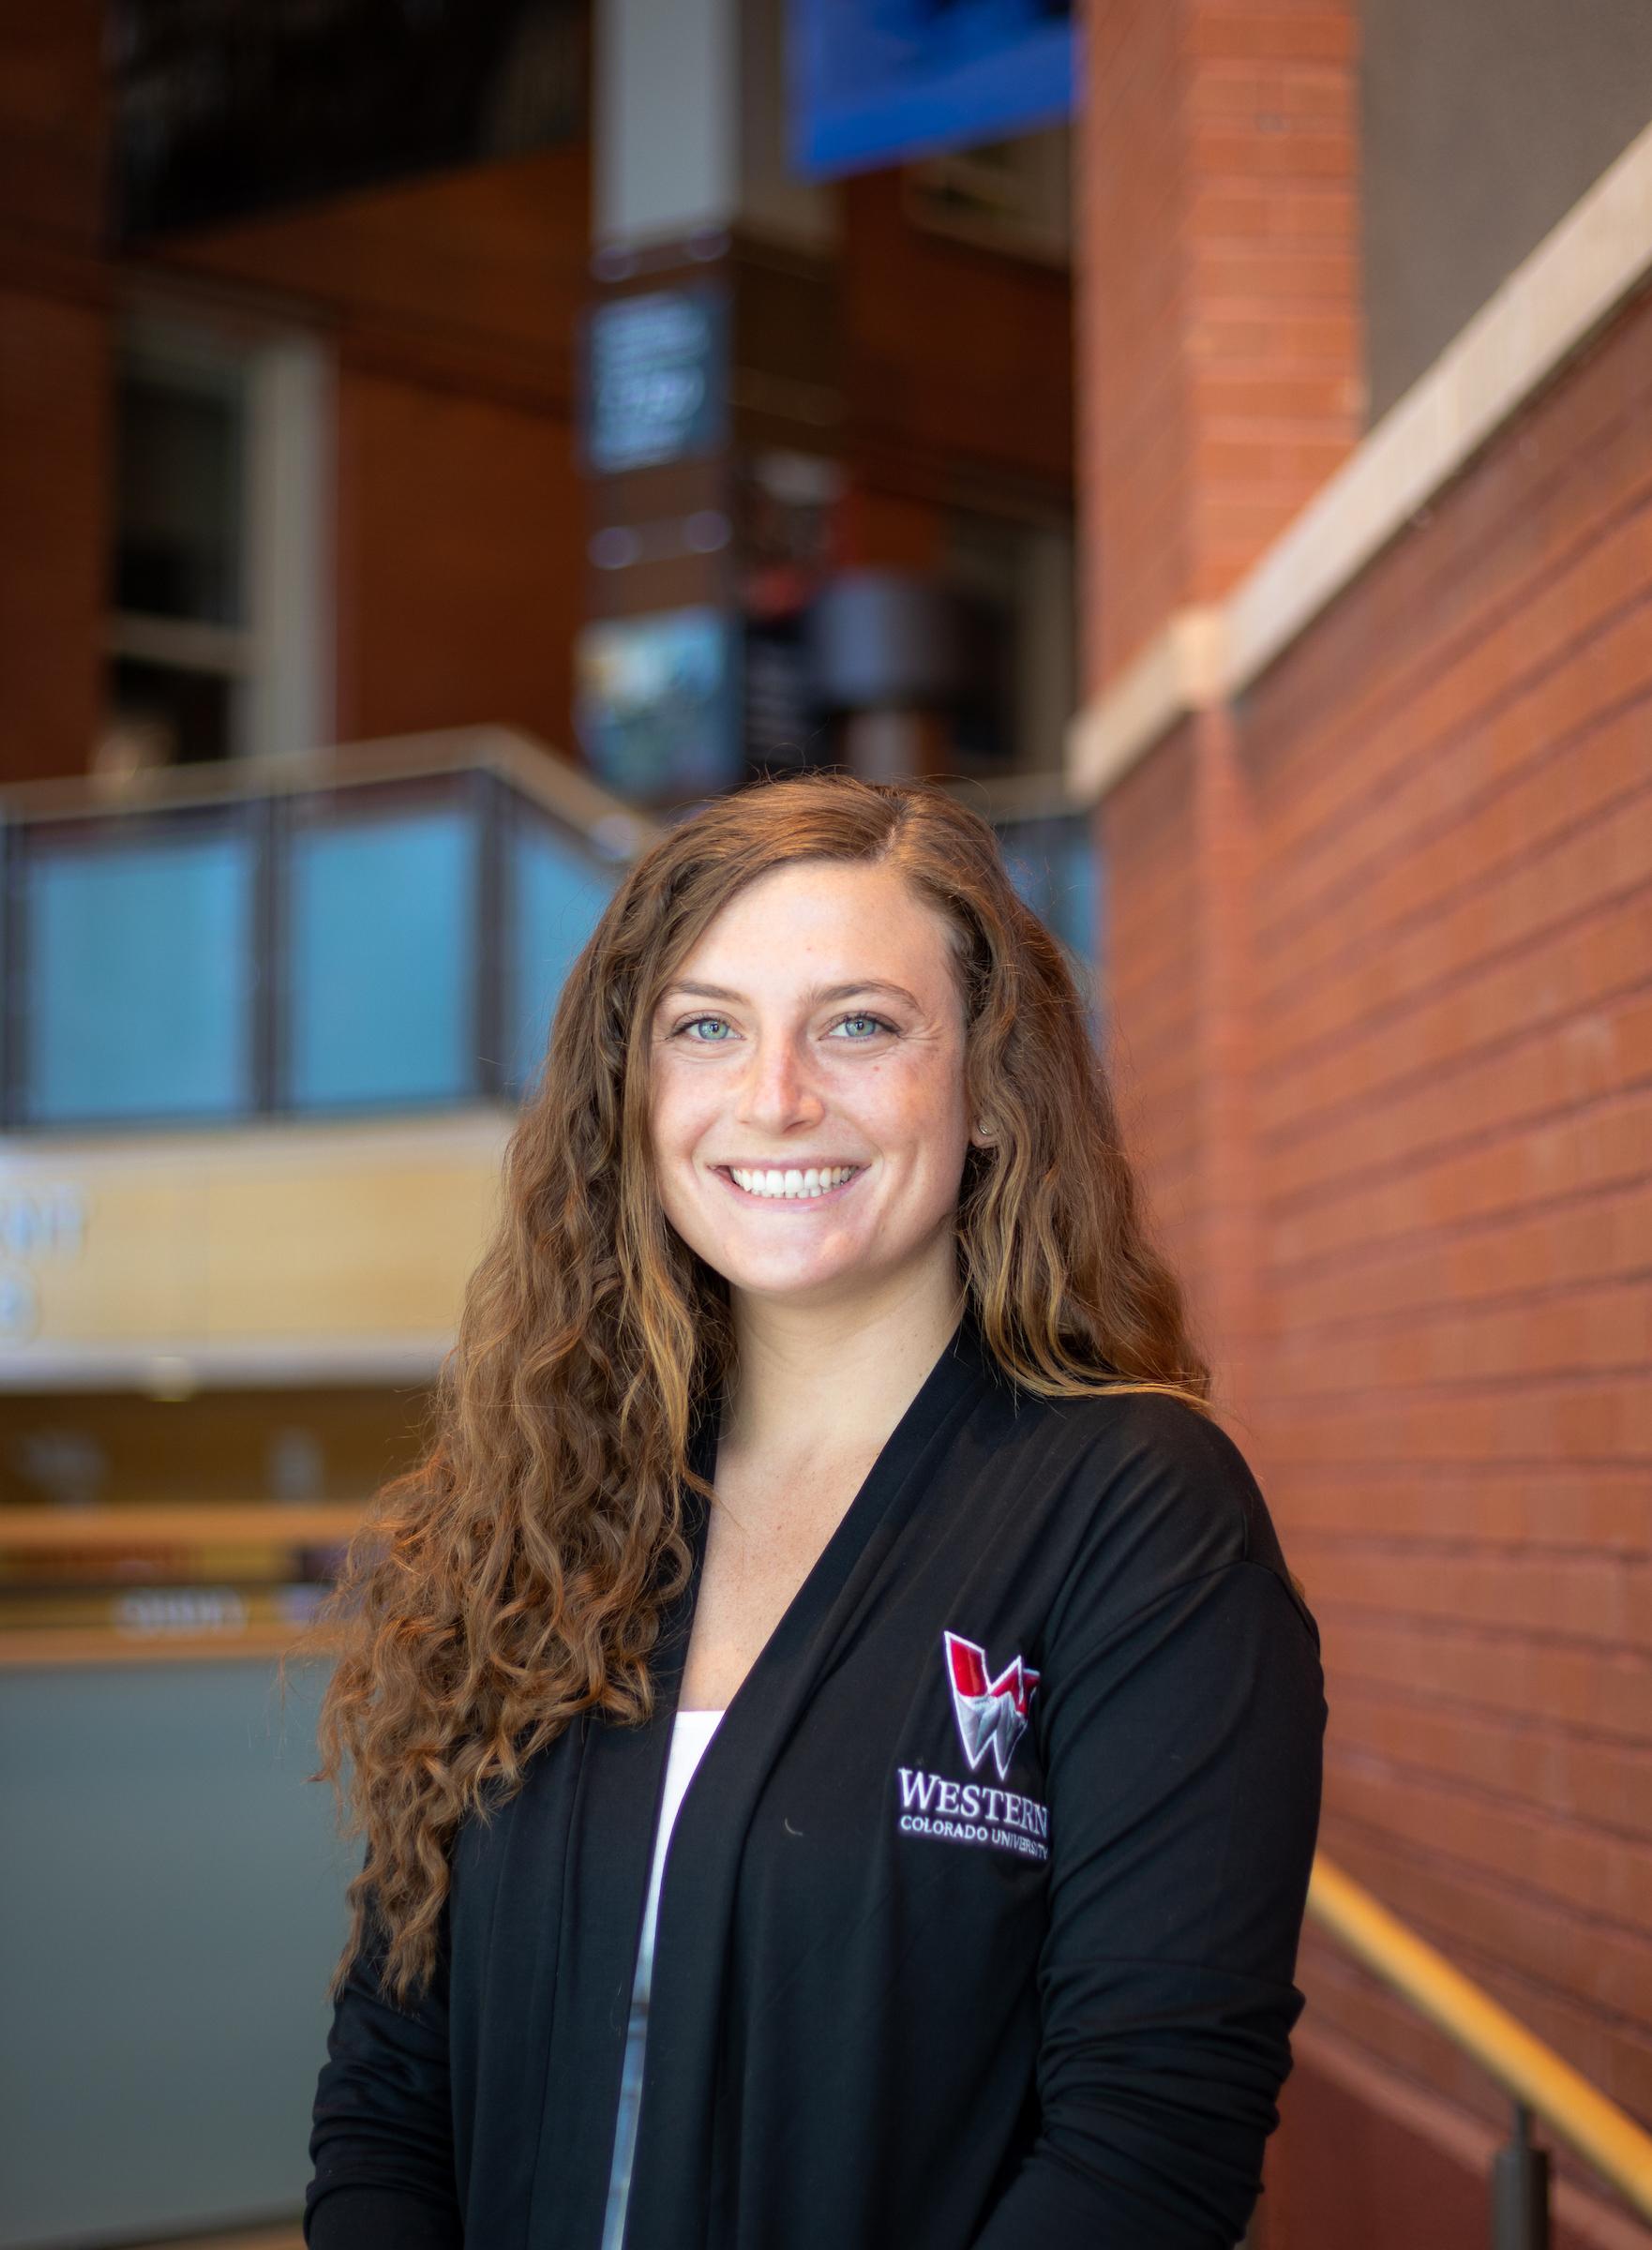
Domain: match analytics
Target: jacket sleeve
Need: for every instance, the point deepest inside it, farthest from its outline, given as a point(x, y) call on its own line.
point(1182, 1738)
point(380, 2142)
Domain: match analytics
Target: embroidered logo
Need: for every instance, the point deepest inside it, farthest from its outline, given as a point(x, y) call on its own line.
point(991, 1714)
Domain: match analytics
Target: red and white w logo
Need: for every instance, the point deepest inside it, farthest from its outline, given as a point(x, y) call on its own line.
point(992, 1714)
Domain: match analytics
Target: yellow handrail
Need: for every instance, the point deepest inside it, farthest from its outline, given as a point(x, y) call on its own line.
point(1534, 2074)
point(45, 1530)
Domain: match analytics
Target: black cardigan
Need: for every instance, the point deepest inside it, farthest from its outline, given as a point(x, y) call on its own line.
point(981, 1913)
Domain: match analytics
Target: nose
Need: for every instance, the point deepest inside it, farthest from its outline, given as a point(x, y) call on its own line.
point(777, 1089)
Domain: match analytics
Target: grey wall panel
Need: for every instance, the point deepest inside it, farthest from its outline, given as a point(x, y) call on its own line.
point(171, 1905)
point(1483, 121)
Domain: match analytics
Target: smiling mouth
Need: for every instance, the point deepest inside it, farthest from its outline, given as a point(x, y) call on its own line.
point(792, 1185)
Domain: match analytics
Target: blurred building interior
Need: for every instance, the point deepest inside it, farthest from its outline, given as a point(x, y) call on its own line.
point(440, 446)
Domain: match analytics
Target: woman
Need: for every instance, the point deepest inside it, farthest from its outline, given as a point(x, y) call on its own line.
point(822, 1426)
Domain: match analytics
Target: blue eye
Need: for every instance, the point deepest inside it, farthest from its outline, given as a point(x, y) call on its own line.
point(691, 1027)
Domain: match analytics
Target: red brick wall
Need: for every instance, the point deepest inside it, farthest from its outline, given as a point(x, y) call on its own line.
point(1177, 836)
point(1219, 284)
point(1453, 1002)
point(1444, 799)
point(1154, 956)
point(1133, 402)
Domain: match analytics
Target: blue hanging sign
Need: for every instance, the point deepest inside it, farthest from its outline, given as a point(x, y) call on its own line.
point(655, 379)
point(881, 82)
point(655, 705)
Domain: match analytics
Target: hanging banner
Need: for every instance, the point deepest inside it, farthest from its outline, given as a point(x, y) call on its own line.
point(881, 82)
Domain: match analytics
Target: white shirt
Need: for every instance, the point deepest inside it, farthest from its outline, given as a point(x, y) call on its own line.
point(690, 1733)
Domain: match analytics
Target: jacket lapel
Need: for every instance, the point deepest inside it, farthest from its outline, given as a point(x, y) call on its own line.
point(610, 1846)
point(672, 2176)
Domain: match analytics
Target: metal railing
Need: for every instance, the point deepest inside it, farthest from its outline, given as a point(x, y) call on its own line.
point(1541, 2084)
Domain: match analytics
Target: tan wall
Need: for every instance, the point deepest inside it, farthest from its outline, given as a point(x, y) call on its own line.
point(310, 1241)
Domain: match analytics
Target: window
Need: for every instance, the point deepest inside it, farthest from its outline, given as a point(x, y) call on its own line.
point(1015, 580)
point(214, 634)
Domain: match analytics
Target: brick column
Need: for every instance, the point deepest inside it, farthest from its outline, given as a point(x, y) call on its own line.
point(1220, 383)
point(1218, 323)
point(1176, 834)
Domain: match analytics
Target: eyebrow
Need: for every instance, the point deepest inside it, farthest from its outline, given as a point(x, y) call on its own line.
point(817, 996)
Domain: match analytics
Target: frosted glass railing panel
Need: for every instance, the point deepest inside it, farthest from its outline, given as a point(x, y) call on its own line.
point(174, 1895)
point(382, 961)
point(139, 966)
point(1052, 861)
point(558, 893)
point(375, 947)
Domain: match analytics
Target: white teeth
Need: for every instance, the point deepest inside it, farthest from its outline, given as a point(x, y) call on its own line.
point(791, 1184)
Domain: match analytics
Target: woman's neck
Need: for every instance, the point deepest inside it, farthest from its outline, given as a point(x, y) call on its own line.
point(819, 1381)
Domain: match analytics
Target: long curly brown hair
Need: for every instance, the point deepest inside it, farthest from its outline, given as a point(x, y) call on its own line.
point(518, 1576)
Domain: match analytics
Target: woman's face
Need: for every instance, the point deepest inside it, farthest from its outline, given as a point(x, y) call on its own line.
point(814, 1028)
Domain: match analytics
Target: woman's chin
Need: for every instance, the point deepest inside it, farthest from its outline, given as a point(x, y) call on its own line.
point(792, 1280)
